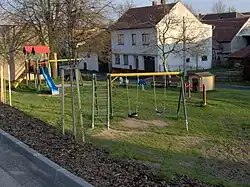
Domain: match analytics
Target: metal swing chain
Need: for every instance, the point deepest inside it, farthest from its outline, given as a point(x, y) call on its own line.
point(137, 95)
point(155, 94)
point(164, 93)
point(129, 107)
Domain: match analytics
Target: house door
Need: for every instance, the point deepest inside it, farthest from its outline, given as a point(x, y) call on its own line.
point(136, 61)
point(149, 63)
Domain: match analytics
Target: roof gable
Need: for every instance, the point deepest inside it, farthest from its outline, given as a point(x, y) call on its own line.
point(243, 53)
point(226, 29)
point(143, 17)
point(218, 16)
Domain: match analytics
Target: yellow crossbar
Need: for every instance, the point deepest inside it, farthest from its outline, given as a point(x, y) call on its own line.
point(66, 60)
point(143, 74)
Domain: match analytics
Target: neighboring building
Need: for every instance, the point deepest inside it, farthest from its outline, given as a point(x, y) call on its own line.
point(135, 39)
point(226, 15)
point(229, 36)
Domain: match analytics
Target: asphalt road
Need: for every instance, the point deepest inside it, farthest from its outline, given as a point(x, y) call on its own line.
point(17, 171)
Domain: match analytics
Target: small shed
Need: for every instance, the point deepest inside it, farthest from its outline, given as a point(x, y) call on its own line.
point(200, 78)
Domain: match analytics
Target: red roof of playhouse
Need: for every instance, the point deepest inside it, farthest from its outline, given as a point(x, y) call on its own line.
point(36, 49)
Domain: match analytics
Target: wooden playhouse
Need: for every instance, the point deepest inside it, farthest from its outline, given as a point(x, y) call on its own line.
point(198, 79)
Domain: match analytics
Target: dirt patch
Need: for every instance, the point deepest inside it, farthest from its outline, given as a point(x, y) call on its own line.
point(87, 161)
point(134, 123)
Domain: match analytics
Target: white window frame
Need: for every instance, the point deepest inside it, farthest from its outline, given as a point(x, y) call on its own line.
point(145, 38)
point(120, 39)
point(125, 60)
point(133, 38)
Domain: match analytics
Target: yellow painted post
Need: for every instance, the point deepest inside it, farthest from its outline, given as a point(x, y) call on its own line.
point(143, 74)
point(54, 67)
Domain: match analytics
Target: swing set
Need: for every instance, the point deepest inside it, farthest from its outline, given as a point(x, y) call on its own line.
point(134, 114)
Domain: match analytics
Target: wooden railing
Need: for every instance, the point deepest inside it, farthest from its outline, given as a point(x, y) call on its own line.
point(20, 70)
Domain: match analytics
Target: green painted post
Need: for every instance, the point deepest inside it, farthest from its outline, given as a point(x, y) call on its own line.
point(184, 103)
point(93, 101)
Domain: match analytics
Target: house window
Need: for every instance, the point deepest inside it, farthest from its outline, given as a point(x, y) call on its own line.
point(145, 39)
point(187, 60)
point(204, 58)
point(117, 59)
point(125, 58)
point(120, 39)
point(133, 39)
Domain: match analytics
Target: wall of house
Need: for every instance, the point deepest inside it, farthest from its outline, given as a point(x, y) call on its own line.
point(139, 49)
point(196, 32)
point(91, 61)
point(239, 42)
point(194, 27)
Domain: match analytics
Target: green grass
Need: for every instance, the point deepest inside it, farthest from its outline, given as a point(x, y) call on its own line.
point(215, 150)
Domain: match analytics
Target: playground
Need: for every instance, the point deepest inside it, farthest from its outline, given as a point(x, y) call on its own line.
point(130, 129)
point(215, 150)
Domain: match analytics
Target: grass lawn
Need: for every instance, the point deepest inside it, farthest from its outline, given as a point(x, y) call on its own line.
point(216, 149)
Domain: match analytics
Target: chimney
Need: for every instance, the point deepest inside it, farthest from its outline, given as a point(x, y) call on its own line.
point(163, 2)
point(154, 3)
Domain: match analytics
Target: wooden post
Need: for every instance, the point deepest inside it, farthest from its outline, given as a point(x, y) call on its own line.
point(189, 89)
point(2, 86)
point(63, 104)
point(54, 67)
point(93, 101)
point(204, 95)
point(9, 86)
point(79, 103)
point(72, 102)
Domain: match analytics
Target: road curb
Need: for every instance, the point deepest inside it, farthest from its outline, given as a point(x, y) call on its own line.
point(61, 175)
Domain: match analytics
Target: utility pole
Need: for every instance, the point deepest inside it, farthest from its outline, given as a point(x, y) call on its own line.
point(184, 48)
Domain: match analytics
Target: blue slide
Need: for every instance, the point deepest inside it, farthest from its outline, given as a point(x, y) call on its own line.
point(54, 90)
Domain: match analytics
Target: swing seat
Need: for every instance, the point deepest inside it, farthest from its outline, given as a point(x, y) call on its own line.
point(159, 112)
point(133, 115)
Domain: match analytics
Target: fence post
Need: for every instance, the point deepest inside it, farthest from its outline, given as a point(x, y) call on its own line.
point(2, 86)
point(204, 95)
point(10, 99)
point(189, 89)
point(63, 102)
point(93, 101)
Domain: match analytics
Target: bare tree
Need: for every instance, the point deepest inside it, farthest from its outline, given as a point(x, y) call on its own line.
point(220, 7)
point(120, 9)
point(54, 21)
point(179, 36)
point(12, 39)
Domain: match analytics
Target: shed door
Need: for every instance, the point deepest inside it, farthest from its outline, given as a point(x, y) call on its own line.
point(195, 85)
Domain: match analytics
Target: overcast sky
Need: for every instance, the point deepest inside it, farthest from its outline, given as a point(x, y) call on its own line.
point(204, 6)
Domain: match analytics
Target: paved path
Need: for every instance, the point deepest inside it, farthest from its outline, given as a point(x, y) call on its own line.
point(235, 87)
point(17, 171)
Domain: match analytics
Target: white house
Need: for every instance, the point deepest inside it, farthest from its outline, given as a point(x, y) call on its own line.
point(137, 39)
